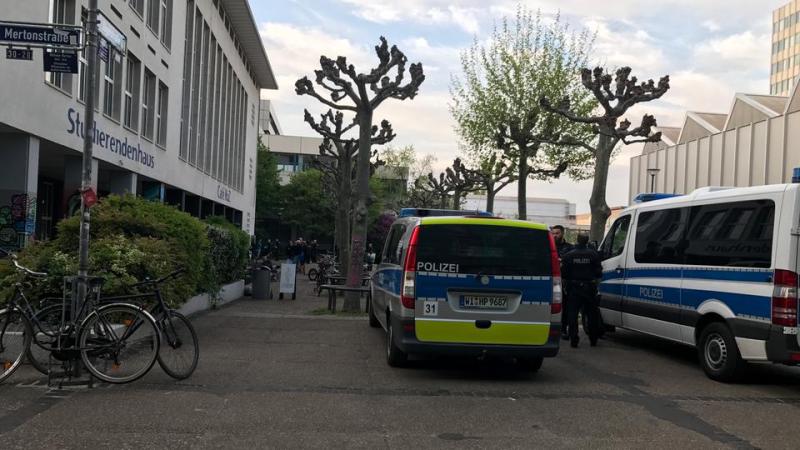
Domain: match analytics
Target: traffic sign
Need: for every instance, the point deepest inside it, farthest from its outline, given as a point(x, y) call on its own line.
point(19, 54)
point(41, 34)
point(60, 62)
point(111, 33)
point(102, 51)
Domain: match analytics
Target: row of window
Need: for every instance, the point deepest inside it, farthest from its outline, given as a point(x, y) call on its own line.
point(786, 64)
point(214, 109)
point(781, 87)
point(737, 234)
point(787, 42)
point(157, 14)
point(786, 22)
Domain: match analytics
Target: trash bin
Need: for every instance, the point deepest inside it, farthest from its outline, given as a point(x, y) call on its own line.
point(262, 288)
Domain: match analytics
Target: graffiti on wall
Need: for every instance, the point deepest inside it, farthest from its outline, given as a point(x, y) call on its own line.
point(17, 219)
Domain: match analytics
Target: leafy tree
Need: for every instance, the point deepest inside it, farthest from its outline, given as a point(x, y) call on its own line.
point(606, 125)
point(350, 91)
point(268, 198)
point(308, 207)
point(495, 102)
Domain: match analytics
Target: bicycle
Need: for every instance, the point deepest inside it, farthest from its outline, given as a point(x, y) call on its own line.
point(93, 335)
point(178, 358)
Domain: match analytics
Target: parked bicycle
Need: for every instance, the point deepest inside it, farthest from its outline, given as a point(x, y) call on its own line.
point(179, 352)
point(117, 342)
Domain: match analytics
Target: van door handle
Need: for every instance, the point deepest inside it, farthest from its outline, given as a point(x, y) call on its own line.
point(619, 270)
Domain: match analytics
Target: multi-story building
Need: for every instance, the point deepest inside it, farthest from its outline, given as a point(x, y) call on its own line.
point(549, 211)
point(176, 116)
point(785, 56)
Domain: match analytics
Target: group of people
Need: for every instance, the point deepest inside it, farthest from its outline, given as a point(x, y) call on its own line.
point(581, 272)
point(302, 252)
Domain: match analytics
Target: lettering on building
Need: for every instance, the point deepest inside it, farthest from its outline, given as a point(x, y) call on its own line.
point(113, 144)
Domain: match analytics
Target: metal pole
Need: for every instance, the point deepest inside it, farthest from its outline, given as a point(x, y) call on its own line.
point(652, 182)
point(88, 136)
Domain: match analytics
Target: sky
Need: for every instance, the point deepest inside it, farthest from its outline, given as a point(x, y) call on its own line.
point(710, 49)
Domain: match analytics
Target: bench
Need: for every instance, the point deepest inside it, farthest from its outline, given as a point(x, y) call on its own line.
point(334, 289)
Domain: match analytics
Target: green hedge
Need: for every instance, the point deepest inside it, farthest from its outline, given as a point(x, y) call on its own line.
point(134, 239)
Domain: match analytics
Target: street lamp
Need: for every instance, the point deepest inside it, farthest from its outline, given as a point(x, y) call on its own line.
point(653, 172)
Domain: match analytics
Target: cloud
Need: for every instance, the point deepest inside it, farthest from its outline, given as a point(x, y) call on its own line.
point(745, 51)
point(433, 12)
point(711, 25)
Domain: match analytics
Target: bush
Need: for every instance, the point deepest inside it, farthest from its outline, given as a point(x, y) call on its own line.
point(135, 239)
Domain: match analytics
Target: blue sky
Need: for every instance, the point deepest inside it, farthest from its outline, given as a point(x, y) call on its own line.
point(711, 49)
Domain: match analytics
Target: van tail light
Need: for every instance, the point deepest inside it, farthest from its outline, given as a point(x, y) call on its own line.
point(408, 293)
point(555, 261)
point(784, 299)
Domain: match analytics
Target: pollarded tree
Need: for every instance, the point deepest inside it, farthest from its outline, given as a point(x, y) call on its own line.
point(362, 94)
point(420, 196)
point(615, 101)
point(439, 187)
point(459, 182)
point(495, 102)
point(492, 175)
point(338, 153)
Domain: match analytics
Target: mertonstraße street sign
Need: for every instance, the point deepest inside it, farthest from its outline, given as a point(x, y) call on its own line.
point(40, 35)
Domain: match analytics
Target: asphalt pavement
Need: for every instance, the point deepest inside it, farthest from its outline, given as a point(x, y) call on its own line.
point(274, 375)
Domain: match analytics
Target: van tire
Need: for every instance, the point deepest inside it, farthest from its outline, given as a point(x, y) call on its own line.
point(531, 365)
point(719, 355)
point(373, 321)
point(394, 356)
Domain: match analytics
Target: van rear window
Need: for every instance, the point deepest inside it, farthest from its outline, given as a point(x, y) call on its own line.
point(489, 249)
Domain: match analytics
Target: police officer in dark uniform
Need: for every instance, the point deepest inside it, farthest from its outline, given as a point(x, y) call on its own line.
point(562, 247)
point(581, 271)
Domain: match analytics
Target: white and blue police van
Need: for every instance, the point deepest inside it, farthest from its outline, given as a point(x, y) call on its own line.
point(716, 269)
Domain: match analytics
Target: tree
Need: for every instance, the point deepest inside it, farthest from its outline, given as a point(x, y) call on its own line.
point(268, 198)
point(492, 175)
point(607, 126)
point(350, 91)
point(495, 102)
point(336, 163)
point(459, 181)
point(439, 187)
point(420, 196)
point(308, 207)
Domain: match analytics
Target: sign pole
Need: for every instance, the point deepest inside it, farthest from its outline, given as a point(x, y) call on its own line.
point(88, 136)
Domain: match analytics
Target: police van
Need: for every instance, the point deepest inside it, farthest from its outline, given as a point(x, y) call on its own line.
point(716, 269)
point(468, 286)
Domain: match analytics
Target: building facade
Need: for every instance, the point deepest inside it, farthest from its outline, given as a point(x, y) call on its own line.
point(549, 211)
point(176, 117)
point(756, 143)
point(785, 55)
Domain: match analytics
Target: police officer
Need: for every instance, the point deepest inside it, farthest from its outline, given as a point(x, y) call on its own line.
point(562, 247)
point(581, 270)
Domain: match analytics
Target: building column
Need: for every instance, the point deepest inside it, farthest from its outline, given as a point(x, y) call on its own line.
point(122, 183)
point(19, 178)
point(73, 180)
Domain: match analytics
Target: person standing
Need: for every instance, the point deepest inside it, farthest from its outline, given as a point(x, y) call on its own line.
point(581, 270)
point(562, 247)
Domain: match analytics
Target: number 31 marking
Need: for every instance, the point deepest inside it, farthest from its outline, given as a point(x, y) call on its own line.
point(431, 308)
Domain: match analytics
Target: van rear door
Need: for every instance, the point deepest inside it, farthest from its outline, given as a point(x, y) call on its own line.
point(483, 281)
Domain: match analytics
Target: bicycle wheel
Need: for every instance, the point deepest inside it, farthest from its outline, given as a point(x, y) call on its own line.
point(119, 343)
point(15, 338)
point(48, 321)
point(179, 347)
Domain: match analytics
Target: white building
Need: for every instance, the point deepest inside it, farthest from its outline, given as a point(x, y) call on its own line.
point(756, 143)
point(549, 211)
point(177, 115)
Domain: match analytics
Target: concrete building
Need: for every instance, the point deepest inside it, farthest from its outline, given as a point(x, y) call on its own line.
point(757, 142)
point(583, 222)
point(549, 211)
point(177, 114)
point(785, 55)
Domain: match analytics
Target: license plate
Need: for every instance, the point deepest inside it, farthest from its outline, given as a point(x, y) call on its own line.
point(484, 302)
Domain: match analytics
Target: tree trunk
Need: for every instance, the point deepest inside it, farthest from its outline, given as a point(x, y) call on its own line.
point(522, 185)
point(443, 202)
point(457, 200)
point(490, 193)
point(343, 213)
point(597, 202)
point(352, 302)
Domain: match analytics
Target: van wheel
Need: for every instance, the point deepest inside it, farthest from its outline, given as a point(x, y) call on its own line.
point(719, 354)
point(531, 365)
point(373, 321)
point(394, 356)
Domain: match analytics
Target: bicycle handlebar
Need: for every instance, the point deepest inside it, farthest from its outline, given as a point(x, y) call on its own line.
point(161, 280)
point(22, 268)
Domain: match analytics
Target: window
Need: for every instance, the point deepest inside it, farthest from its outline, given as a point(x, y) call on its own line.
point(161, 115)
point(138, 6)
point(63, 12)
point(133, 81)
point(614, 243)
point(148, 104)
point(153, 9)
point(112, 87)
point(165, 30)
point(660, 236)
point(391, 255)
point(731, 234)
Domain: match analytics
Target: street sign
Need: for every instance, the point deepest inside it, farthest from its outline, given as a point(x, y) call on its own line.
point(111, 33)
point(41, 35)
point(19, 54)
point(102, 51)
point(60, 62)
